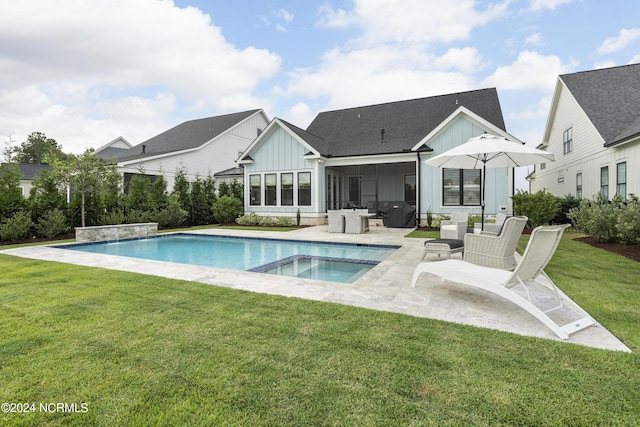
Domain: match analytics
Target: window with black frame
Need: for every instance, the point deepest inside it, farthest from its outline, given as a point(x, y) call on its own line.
point(286, 189)
point(254, 190)
point(461, 187)
point(270, 191)
point(304, 188)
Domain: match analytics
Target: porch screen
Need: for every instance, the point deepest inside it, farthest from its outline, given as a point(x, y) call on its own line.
point(461, 187)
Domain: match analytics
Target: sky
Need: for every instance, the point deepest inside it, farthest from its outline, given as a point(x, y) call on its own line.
point(85, 72)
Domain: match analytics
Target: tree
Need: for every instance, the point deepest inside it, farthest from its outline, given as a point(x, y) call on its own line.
point(181, 188)
point(85, 174)
point(47, 193)
point(11, 199)
point(38, 150)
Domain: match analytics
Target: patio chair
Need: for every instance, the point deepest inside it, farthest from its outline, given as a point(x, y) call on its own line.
point(356, 221)
point(492, 227)
point(495, 250)
point(454, 228)
point(528, 273)
point(335, 221)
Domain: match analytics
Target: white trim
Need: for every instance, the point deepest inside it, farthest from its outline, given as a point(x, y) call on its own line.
point(278, 174)
point(463, 111)
point(371, 159)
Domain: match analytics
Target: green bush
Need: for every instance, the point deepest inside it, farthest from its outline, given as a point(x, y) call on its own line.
point(227, 209)
point(173, 215)
point(267, 221)
point(285, 221)
point(565, 204)
point(114, 217)
point(597, 218)
point(52, 223)
point(628, 224)
point(249, 219)
point(16, 227)
point(540, 207)
point(134, 216)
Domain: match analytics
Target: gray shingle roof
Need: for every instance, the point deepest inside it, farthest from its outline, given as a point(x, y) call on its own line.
point(610, 97)
point(29, 171)
point(356, 131)
point(190, 134)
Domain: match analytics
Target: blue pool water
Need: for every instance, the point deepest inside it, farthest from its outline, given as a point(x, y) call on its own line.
point(335, 262)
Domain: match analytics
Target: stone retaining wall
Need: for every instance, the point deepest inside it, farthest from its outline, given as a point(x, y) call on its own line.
point(111, 233)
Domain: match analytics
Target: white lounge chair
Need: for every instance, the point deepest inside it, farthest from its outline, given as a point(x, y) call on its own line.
point(528, 273)
point(356, 221)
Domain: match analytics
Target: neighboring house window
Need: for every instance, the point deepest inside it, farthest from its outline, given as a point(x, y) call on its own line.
point(604, 182)
point(543, 166)
point(304, 188)
point(354, 190)
point(461, 187)
point(258, 132)
point(410, 189)
point(621, 179)
point(270, 189)
point(286, 189)
point(567, 141)
point(579, 185)
point(254, 190)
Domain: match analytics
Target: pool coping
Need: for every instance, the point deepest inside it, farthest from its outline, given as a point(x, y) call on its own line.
point(386, 287)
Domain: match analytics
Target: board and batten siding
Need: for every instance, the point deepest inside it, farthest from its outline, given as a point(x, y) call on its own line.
point(588, 156)
point(497, 180)
point(281, 152)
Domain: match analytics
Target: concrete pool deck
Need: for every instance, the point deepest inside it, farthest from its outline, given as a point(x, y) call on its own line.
point(386, 287)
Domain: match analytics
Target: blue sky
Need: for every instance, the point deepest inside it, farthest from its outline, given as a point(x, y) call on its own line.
point(85, 72)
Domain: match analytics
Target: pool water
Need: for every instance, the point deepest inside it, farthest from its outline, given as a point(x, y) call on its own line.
point(336, 262)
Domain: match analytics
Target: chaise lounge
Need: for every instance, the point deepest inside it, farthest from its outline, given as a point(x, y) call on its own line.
point(528, 273)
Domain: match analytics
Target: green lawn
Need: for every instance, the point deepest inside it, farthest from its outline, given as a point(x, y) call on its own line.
point(142, 350)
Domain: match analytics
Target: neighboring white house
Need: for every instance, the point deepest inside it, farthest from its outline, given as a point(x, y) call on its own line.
point(371, 155)
point(593, 129)
point(201, 147)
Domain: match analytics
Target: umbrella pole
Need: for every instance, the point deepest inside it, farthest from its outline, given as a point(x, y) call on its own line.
point(484, 174)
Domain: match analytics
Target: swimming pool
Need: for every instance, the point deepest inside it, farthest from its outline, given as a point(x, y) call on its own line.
point(336, 262)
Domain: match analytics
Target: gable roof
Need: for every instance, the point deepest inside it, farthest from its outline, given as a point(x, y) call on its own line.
point(113, 149)
point(188, 135)
point(610, 97)
point(357, 131)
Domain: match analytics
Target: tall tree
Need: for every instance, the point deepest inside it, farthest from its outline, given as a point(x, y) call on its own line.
point(37, 150)
point(85, 174)
point(11, 199)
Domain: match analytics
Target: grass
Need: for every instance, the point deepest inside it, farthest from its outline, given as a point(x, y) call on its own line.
point(142, 350)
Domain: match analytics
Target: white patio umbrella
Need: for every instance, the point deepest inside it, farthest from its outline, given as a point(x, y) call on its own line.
point(489, 151)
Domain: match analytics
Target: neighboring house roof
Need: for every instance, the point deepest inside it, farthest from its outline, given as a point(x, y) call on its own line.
point(188, 135)
point(358, 131)
point(233, 172)
point(113, 148)
point(29, 171)
point(610, 97)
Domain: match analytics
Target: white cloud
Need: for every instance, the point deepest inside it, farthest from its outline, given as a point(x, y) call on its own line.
point(411, 21)
point(604, 64)
point(635, 59)
point(547, 4)
point(300, 115)
point(107, 49)
point(624, 39)
point(530, 71)
point(534, 39)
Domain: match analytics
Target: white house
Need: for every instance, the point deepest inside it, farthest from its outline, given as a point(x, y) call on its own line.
point(201, 147)
point(113, 149)
point(371, 155)
point(593, 129)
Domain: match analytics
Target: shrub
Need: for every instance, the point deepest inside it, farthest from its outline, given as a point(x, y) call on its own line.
point(52, 223)
point(597, 218)
point(249, 219)
point(114, 217)
point(429, 217)
point(267, 221)
point(134, 216)
point(173, 215)
point(540, 207)
point(565, 204)
point(16, 227)
point(227, 208)
point(285, 221)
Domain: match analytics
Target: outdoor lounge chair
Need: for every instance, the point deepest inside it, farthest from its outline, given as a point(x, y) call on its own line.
point(495, 250)
point(454, 228)
point(356, 221)
point(528, 273)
